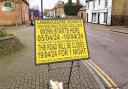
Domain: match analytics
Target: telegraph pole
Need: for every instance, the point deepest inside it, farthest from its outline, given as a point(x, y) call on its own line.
point(42, 9)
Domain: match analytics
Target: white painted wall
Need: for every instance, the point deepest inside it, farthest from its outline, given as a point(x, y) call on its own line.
point(89, 11)
point(101, 9)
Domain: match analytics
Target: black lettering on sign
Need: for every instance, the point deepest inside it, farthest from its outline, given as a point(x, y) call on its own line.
point(42, 47)
point(51, 46)
point(63, 52)
point(73, 36)
point(78, 45)
point(47, 54)
point(77, 51)
point(61, 46)
point(68, 45)
point(46, 37)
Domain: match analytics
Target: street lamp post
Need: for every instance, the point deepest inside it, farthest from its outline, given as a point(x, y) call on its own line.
point(41, 8)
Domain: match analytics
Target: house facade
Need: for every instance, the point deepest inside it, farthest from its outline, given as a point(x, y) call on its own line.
point(14, 12)
point(107, 12)
point(82, 13)
point(58, 10)
point(99, 11)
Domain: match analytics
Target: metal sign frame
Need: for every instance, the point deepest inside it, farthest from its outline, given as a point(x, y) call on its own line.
point(63, 60)
point(72, 61)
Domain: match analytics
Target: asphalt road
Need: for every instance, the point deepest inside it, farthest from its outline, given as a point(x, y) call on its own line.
point(109, 50)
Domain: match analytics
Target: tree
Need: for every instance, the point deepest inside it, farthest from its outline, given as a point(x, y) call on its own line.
point(69, 1)
point(71, 8)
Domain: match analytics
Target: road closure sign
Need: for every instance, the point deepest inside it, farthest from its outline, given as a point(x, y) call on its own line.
point(60, 40)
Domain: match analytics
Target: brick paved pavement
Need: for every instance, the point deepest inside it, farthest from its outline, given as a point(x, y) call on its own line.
point(18, 71)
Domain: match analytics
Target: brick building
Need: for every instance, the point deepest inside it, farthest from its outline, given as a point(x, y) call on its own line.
point(82, 13)
point(58, 10)
point(13, 12)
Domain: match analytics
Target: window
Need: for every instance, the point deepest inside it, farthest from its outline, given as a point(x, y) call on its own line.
point(106, 3)
point(94, 4)
point(7, 4)
point(105, 17)
point(94, 17)
point(87, 5)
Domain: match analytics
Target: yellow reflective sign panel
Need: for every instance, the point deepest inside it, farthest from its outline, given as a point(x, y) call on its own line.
point(60, 40)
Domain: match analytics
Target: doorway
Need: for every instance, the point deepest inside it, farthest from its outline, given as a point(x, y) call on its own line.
point(98, 18)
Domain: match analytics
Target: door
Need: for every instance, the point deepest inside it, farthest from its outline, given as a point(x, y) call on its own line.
point(98, 18)
point(87, 17)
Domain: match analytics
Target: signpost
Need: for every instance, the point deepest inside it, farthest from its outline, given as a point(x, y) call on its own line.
point(59, 41)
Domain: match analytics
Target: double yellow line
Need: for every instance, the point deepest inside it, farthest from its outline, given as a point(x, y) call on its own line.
point(103, 75)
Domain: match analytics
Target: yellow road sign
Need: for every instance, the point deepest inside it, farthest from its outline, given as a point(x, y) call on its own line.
point(60, 40)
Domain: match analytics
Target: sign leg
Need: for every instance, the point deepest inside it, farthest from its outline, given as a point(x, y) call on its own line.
point(48, 76)
point(69, 78)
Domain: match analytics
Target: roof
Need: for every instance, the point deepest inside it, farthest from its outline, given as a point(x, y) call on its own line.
point(59, 4)
point(88, 0)
point(83, 8)
point(26, 2)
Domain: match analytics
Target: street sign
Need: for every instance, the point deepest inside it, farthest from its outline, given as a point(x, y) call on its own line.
point(60, 40)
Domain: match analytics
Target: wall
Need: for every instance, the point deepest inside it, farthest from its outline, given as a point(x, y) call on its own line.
point(53, 13)
point(10, 18)
point(84, 15)
point(18, 16)
point(60, 12)
point(88, 11)
point(120, 12)
point(25, 12)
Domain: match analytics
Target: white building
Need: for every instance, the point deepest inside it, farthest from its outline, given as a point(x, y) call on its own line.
point(99, 11)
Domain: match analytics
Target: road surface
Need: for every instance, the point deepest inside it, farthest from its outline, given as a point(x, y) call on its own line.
point(109, 50)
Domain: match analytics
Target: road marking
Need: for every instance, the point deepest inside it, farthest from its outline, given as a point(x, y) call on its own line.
point(102, 37)
point(108, 39)
point(103, 75)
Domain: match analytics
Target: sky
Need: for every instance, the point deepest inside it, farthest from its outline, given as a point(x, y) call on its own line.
point(48, 4)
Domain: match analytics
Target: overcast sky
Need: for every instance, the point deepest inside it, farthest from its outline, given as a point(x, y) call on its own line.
point(48, 4)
